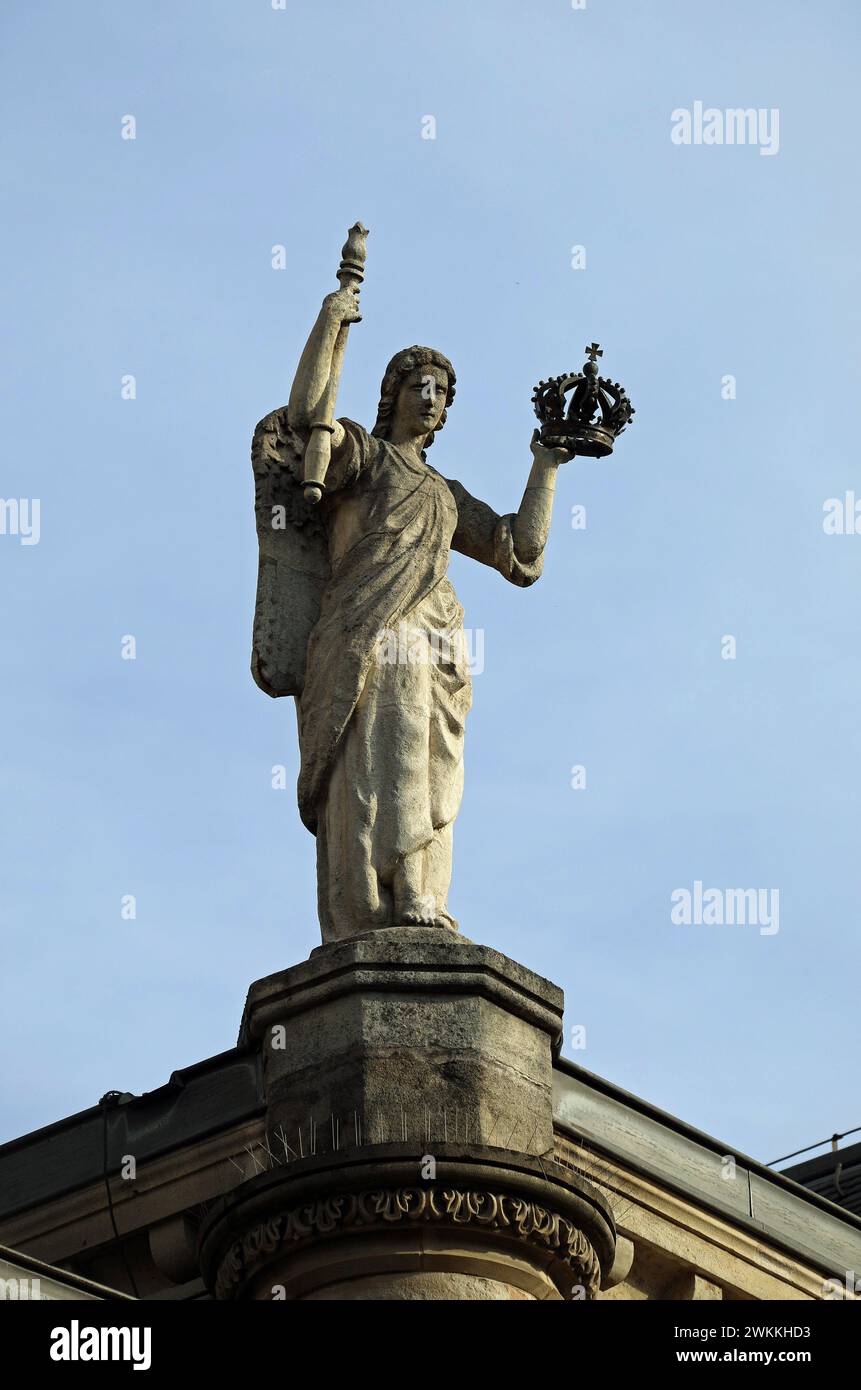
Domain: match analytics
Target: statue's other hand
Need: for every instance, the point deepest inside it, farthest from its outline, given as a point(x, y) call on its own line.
point(552, 457)
point(343, 305)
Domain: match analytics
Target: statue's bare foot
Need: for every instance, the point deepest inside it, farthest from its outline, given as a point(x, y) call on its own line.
point(419, 914)
point(423, 912)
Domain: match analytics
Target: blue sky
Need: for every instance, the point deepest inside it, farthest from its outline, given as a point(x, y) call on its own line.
point(258, 127)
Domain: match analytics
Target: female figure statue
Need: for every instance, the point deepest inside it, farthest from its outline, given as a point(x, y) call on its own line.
point(356, 618)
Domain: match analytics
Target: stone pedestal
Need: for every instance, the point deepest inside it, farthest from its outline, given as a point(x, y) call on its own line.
point(408, 1079)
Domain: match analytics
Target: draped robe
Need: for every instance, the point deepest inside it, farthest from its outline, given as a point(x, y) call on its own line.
point(381, 719)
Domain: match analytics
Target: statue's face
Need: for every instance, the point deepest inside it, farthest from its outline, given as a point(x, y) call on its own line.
point(421, 401)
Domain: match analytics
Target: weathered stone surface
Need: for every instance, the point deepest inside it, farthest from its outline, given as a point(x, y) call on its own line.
point(396, 1036)
point(409, 1110)
point(422, 1284)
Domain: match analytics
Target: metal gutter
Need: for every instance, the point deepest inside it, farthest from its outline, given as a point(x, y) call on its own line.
point(655, 1144)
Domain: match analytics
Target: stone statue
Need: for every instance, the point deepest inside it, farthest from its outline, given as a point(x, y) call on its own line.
point(356, 618)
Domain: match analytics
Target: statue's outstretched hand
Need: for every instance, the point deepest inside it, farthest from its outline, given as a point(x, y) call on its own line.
point(343, 305)
point(552, 457)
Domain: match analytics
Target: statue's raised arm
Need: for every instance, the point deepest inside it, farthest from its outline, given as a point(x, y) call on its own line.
point(311, 408)
point(290, 455)
point(311, 384)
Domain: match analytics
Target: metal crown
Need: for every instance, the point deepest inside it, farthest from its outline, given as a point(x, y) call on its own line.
point(582, 411)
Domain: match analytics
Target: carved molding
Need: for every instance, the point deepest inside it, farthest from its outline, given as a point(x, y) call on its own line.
point(384, 1207)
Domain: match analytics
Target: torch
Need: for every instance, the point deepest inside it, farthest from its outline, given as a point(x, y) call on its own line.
point(318, 451)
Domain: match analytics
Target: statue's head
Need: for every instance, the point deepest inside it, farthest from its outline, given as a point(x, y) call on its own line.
point(417, 390)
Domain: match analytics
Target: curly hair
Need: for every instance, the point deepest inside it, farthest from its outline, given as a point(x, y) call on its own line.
point(396, 372)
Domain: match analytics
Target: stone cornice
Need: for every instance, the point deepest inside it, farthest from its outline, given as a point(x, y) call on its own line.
point(385, 1208)
point(409, 960)
point(532, 1202)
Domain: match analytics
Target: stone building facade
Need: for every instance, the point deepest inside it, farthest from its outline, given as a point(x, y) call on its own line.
point(396, 1122)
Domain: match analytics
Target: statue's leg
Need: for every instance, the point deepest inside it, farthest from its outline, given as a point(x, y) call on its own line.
point(351, 896)
point(384, 846)
point(414, 905)
point(435, 695)
point(450, 700)
point(438, 857)
point(421, 882)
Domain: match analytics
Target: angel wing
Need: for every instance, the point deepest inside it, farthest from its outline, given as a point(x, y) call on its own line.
point(293, 564)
